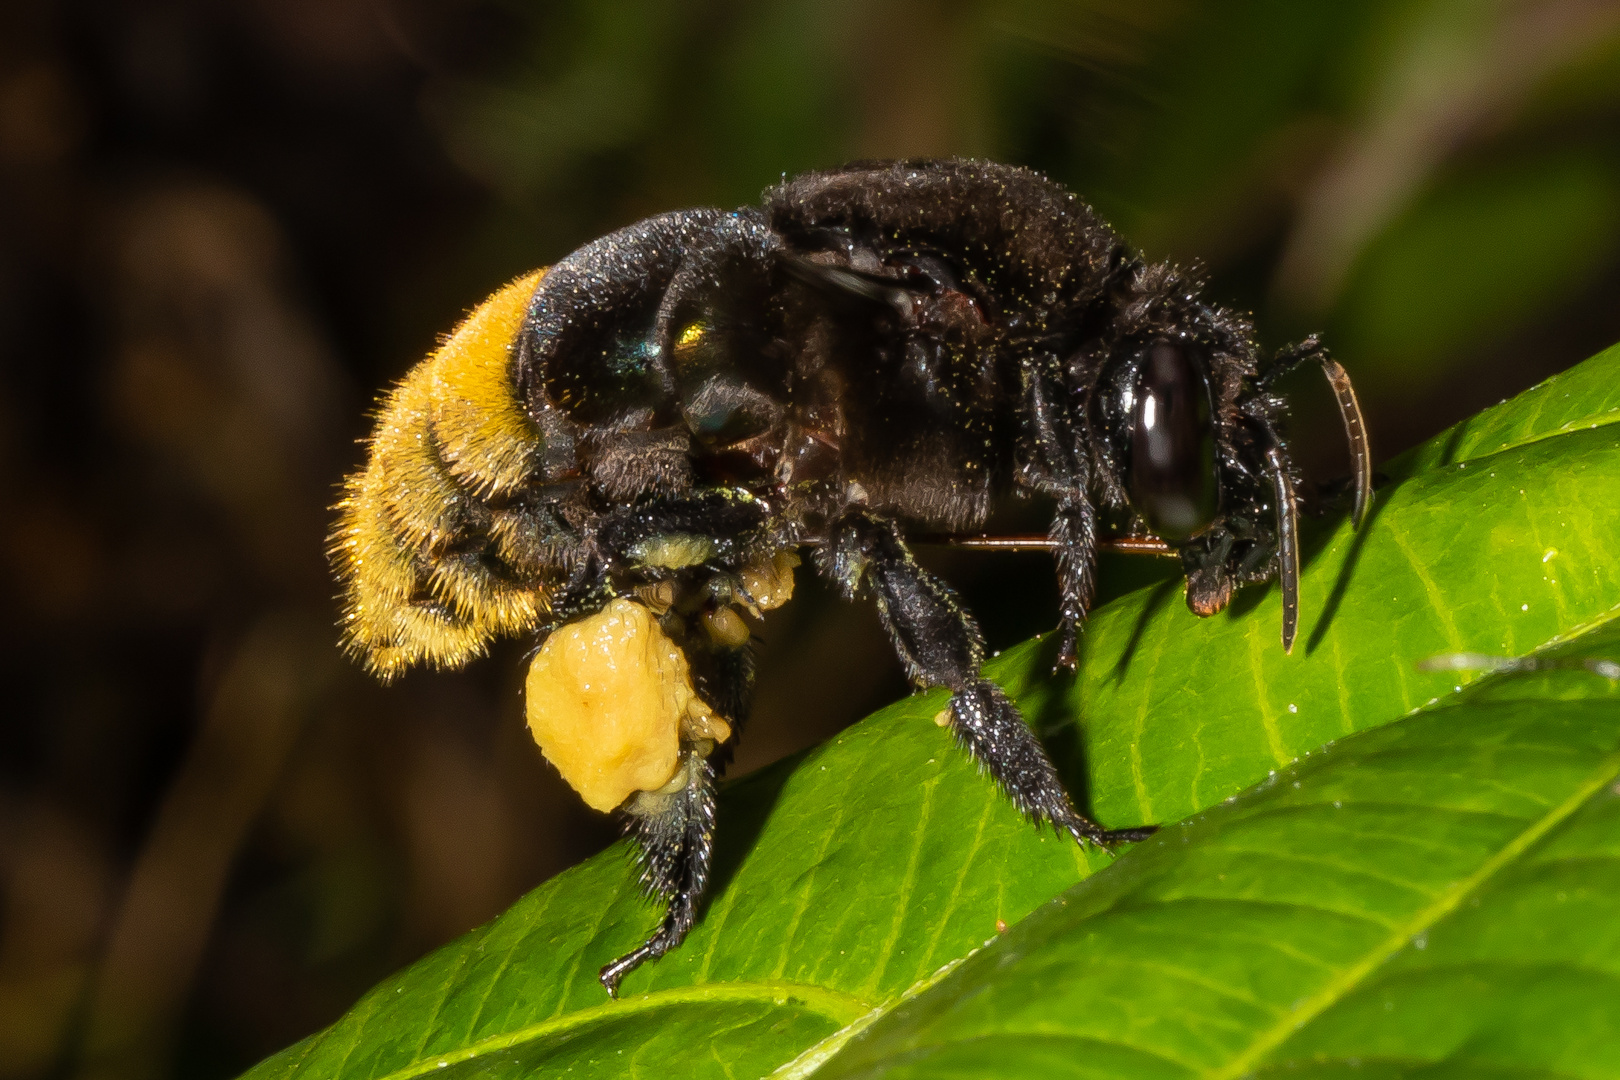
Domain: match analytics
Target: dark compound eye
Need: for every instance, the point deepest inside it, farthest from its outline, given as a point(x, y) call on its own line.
point(1173, 483)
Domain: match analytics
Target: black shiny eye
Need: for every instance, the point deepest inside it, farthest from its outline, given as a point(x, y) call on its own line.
point(1173, 483)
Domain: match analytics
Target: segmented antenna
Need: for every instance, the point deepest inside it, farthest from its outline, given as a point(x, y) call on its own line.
point(1287, 546)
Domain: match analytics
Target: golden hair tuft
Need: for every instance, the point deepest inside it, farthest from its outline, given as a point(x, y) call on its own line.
point(450, 436)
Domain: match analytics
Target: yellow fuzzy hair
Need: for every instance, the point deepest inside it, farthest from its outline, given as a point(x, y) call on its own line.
point(485, 435)
point(451, 433)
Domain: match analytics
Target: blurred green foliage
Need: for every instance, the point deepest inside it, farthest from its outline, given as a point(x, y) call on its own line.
point(1434, 183)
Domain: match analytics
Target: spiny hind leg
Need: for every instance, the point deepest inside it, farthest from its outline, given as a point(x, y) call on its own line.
point(940, 644)
point(674, 829)
point(991, 727)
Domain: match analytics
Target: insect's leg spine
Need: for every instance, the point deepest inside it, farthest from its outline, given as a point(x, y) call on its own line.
point(940, 645)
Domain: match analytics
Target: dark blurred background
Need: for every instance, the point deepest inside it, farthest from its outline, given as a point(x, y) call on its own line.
point(226, 224)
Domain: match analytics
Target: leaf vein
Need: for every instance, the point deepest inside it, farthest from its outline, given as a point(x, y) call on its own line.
point(966, 864)
point(1337, 989)
point(836, 1006)
point(907, 884)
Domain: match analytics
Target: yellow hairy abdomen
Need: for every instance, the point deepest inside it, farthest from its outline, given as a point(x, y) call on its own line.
point(451, 432)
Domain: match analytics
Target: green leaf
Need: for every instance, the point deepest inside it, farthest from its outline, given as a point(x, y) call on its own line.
point(852, 879)
point(1438, 893)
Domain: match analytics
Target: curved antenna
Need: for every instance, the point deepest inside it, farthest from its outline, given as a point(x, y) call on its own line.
point(1355, 431)
point(1287, 545)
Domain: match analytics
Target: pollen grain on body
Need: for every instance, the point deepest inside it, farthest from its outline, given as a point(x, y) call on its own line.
point(769, 583)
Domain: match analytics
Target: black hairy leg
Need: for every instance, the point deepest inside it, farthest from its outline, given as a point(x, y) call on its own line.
point(939, 643)
point(1057, 467)
point(1074, 546)
point(726, 682)
point(674, 829)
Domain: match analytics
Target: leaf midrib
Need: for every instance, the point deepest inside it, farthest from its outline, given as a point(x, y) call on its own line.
point(809, 1060)
point(840, 1008)
point(1337, 989)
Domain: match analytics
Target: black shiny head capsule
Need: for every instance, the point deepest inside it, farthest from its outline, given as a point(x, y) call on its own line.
point(1172, 479)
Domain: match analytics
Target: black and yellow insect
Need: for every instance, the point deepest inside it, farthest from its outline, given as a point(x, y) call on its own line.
point(622, 454)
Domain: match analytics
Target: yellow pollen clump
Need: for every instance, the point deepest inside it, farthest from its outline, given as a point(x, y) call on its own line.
point(659, 596)
point(608, 698)
point(770, 584)
point(673, 551)
point(726, 627)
